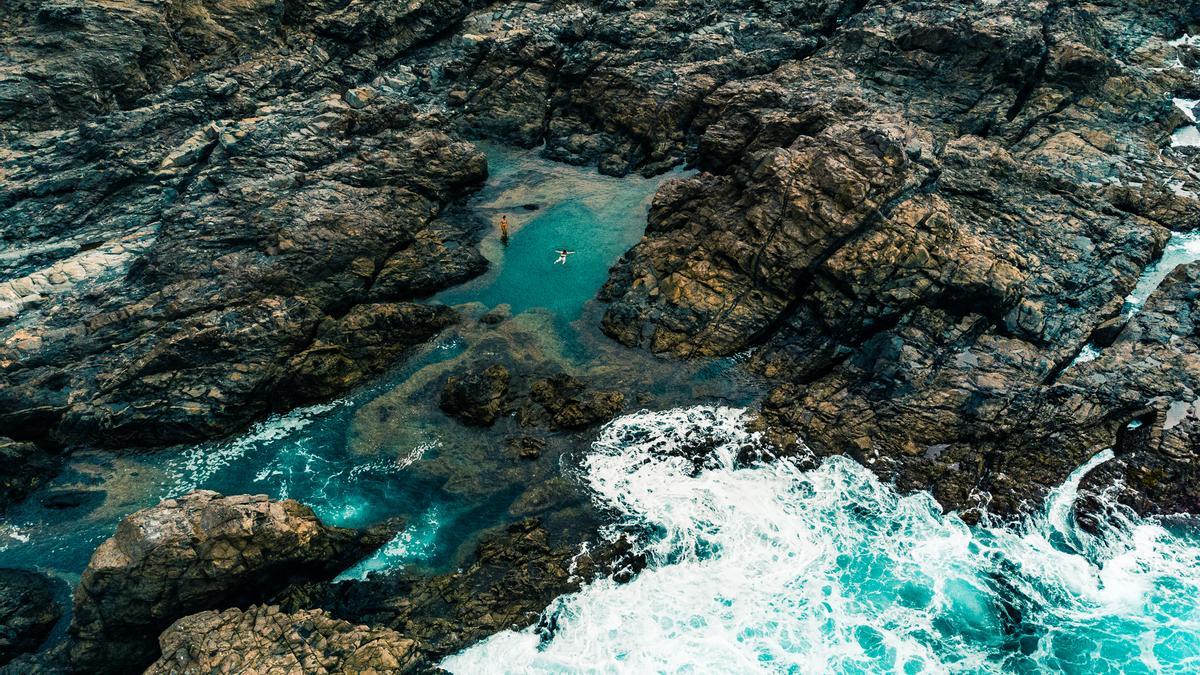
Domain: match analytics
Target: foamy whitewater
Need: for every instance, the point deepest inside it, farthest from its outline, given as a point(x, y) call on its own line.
point(767, 568)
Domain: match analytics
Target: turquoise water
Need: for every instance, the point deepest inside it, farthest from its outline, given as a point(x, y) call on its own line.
point(768, 568)
point(598, 217)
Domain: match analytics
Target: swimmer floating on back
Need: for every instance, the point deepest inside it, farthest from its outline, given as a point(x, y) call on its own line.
point(562, 256)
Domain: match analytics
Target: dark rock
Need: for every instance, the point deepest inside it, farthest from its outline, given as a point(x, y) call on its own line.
point(496, 315)
point(263, 639)
point(476, 398)
point(198, 552)
point(364, 341)
point(568, 405)
point(68, 498)
point(29, 608)
point(513, 574)
point(922, 280)
point(23, 467)
point(526, 447)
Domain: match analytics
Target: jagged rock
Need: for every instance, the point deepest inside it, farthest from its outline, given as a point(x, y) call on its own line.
point(263, 639)
point(364, 341)
point(23, 467)
point(476, 398)
point(28, 610)
point(919, 281)
point(506, 584)
point(197, 552)
point(188, 330)
point(567, 405)
point(1144, 392)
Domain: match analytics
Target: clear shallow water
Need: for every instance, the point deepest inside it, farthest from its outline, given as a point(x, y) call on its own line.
point(767, 568)
point(1181, 249)
point(598, 217)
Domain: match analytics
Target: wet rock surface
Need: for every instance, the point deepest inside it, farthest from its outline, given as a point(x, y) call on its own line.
point(28, 610)
point(506, 583)
point(559, 401)
point(263, 639)
point(23, 467)
point(911, 216)
point(201, 551)
point(476, 398)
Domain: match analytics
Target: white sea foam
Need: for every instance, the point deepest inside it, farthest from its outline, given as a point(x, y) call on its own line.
point(1182, 248)
point(767, 568)
point(414, 543)
point(197, 464)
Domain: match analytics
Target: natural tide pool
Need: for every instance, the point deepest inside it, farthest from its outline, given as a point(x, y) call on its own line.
point(386, 450)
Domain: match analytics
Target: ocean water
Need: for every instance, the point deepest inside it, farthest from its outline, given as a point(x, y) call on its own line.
point(763, 567)
point(1182, 248)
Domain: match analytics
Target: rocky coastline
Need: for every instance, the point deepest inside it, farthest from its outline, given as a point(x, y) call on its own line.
point(911, 219)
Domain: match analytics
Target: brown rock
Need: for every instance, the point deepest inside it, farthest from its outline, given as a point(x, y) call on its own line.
point(197, 552)
point(263, 639)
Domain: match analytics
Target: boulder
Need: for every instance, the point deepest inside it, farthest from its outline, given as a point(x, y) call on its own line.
point(23, 467)
point(565, 403)
point(476, 398)
point(29, 608)
point(514, 572)
point(199, 551)
point(262, 639)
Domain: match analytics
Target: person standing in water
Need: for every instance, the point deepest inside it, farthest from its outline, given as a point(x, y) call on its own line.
point(562, 256)
point(504, 229)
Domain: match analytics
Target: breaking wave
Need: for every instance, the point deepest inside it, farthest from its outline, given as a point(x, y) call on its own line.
point(764, 567)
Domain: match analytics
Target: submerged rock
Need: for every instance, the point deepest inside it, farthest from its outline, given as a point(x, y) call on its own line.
point(263, 639)
point(28, 610)
point(565, 404)
point(200, 551)
point(476, 398)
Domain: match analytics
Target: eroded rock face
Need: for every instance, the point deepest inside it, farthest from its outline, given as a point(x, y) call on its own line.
point(201, 551)
point(917, 237)
point(262, 639)
point(558, 401)
point(195, 213)
point(28, 610)
point(1152, 409)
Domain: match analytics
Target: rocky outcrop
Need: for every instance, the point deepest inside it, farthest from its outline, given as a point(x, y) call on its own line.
point(508, 581)
point(558, 401)
point(563, 402)
point(263, 639)
point(200, 551)
point(916, 237)
point(1151, 409)
point(198, 208)
point(23, 467)
point(28, 610)
point(476, 398)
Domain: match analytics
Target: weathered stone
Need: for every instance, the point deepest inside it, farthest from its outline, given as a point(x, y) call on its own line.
point(263, 639)
point(476, 398)
point(28, 610)
point(200, 551)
